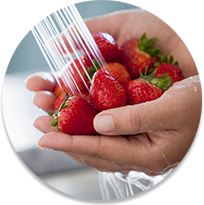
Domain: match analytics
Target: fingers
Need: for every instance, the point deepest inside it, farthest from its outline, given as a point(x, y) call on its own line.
point(42, 123)
point(135, 119)
point(40, 81)
point(173, 110)
point(108, 153)
point(44, 100)
point(43, 83)
point(116, 150)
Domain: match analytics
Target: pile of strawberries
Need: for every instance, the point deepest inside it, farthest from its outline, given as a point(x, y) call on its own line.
point(135, 73)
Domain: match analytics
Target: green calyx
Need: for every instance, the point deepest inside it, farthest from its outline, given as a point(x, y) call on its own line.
point(91, 70)
point(146, 45)
point(164, 82)
point(54, 122)
point(164, 59)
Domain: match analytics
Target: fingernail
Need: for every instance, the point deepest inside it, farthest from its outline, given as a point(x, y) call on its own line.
point(104, 123)
point(41, 145)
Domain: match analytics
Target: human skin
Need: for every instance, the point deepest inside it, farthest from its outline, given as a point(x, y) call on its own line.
point(158, 134)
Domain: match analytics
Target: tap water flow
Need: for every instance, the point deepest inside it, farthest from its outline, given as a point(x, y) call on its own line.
point(62, 37)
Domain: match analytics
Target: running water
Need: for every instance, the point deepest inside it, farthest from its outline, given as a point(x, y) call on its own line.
point(63, 37)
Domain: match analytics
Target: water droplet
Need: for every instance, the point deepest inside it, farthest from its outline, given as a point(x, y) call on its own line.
point(195, 89)
point(196, 80)
point(180, 86)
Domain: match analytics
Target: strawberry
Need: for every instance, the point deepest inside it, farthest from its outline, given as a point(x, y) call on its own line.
point(138, 54)
point(147, 88)
point(59, 101)
point(115, 69)
point(75, 116)
point(107, 46)
point(119, 72)
point(106, 92)
point(170, 67)
point(61, 98)
point(75, 75)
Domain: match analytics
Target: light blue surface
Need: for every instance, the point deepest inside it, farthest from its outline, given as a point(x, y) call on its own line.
point(28, 56)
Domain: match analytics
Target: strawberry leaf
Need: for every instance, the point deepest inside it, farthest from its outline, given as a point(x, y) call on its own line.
point(96, 66)
point(146, 46)
point(151, 42)
point(143, 39)
point(153, 51)
point(164, 82)
point(171, 59)
point(54, 122)
point(164, 59)
point(156, 64)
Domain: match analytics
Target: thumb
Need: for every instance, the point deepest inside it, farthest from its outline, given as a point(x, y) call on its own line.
point(145, 117)
point(126, 120)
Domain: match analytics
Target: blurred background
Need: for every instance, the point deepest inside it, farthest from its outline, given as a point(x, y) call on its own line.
point(55, 168)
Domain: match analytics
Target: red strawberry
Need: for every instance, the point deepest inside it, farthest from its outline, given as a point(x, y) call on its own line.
point(137, 54)
point(107, 46)
point(119, 72)
point(167, 66)
point(147, 88)
point(106, 92)
point(59, 101)
point(86, 97)
point(75, 116)
point(61, 98)
point(173, 70)
point(75, 75)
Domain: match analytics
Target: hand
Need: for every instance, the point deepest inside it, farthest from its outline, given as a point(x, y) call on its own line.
point(158, 133)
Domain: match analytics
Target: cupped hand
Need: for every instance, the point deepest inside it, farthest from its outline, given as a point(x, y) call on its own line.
point(151, 137)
